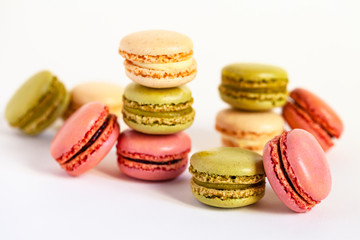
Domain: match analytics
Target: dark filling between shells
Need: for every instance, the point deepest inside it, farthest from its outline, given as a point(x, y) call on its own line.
point(93, 138)
point(153, 163)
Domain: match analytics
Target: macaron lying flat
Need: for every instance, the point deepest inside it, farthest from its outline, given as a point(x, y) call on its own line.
point(157, 111)
point(37, 103)
point(153, 157)
point(307, 111)
point(158, 58)
point(227, 177)
point(85, 138)
point(297, 169)
point(253, 87)
point(248, 130)
point(109, 94)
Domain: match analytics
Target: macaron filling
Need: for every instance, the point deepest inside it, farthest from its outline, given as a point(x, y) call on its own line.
point(101, 134)
point(278, 157)
point(259, 94)
point(176, 57)
point(173, 66)
point(154, 163)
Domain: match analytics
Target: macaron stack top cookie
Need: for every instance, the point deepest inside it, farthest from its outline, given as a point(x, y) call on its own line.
point(307, 111)
point(252, 90)
point(109, 94)
point(37, 103)
point(157, 102)
point(158, 58)
point(227, 177)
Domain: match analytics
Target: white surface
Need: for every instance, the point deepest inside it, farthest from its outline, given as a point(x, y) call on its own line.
point(317, 42)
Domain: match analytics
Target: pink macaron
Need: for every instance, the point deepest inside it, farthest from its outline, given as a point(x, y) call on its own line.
point(85, 138)
point(153, 157)
point(297, 169)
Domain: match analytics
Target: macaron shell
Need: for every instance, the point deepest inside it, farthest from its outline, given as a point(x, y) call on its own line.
point(239, 162)
point(254, 104)
point(94, 157)
point(228, 203)
point(144, 95)
point(254, 72)
point(152, 175)
point(157, 128)
point(160, 82)
point(309, 164)
point(74, 130)
point(155, 42)
point(157, 146)
point(320, 111)
point(298, 118)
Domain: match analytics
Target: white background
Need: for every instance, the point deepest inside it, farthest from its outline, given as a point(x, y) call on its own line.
point(317, 42)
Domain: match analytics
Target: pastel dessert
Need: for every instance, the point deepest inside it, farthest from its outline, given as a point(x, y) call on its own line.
point(227, 177)
point(297, 169)
point(37, 103)
point(85, 138)
point(307, 111)
point(158, 58)
point(157, 111)
point(153, 157)
point(248, 130)
point(253, 87)
point(107, 93)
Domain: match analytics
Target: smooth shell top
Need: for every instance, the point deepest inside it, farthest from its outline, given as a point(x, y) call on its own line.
point(228, 161)
point(109, 94)
point(309, 163)
point(74, 129)
point(144, 95)
point(254, 71)
point(319, 110)
point(255, 122)
point(156, 42)
point(154, 145)
point(28, 96)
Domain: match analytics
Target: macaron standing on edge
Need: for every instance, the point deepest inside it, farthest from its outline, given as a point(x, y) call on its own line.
point(85, 138)
point(253, 87)
point(37, 103)
point(157, 111)
point(227, 177)
point(107, 93)
point(158, 58)
point(297, 169)
point(153, 157)
point(248, 130)
point(307, 111)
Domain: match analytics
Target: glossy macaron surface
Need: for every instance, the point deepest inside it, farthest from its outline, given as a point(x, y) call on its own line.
point(297, 169)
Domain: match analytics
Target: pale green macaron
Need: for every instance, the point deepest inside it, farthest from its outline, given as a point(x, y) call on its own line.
point(37, 103)
point(227, 177)
point(157, 111)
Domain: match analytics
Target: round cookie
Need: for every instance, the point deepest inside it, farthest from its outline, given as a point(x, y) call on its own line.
point(253, 87)
point(227, 177)
point(158, 58)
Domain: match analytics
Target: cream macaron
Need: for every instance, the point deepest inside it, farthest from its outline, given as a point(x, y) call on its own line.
point(248, 130)
point(158, 58)
point(107, 93)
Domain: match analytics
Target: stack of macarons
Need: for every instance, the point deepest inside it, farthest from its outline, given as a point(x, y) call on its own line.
point(252, 90)
point(157, 106)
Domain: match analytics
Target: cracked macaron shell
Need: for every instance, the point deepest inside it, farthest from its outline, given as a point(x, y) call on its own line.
point(306, 167)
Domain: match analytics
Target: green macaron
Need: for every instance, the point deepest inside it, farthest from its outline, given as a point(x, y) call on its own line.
point(253, 87)
point(157, 111)
point(227, 177)
point(37, 103)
